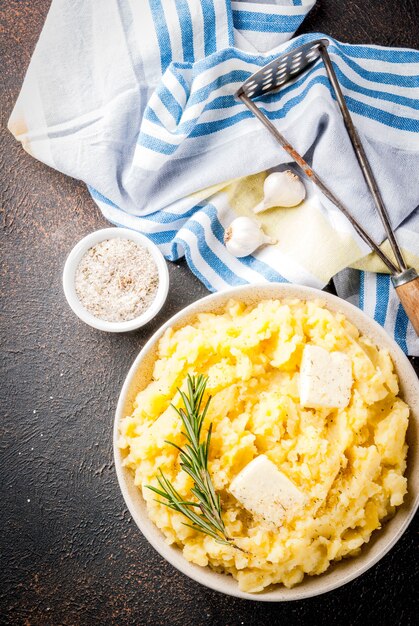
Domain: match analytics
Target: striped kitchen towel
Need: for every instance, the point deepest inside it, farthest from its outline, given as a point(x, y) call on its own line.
point(136, 98)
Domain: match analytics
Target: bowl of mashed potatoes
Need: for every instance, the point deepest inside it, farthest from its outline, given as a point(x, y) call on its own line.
point(314, 413)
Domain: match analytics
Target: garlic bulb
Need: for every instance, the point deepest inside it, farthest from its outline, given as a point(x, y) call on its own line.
point(244, 236)
point(281, 189)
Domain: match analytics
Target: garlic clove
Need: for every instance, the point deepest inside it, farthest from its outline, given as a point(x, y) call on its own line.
point(260, 207)
point(244, 236)
point(281, 189)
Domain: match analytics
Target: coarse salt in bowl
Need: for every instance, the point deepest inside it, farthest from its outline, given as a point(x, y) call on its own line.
point(70, 271)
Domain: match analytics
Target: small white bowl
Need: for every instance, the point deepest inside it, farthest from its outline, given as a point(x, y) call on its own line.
point(339, 573)
point(72, 264)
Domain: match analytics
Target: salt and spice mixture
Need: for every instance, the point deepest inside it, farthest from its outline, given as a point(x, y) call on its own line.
point(116, 280)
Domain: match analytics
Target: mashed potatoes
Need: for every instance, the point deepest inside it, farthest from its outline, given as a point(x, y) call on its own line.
point(349, 463)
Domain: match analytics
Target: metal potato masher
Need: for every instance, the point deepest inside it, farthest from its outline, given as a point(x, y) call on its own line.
point(277, 74)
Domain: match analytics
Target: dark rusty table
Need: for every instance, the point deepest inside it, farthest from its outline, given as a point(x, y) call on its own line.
point(70, 552)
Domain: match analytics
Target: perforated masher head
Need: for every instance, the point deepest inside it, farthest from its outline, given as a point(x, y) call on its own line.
point(283, 69)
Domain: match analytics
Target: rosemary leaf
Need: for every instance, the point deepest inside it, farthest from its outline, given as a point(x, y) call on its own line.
point(193, 458)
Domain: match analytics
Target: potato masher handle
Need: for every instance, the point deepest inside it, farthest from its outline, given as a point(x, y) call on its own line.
point(407, 287)
point(362, 158)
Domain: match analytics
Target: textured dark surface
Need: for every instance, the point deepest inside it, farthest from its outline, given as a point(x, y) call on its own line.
point(70, 552)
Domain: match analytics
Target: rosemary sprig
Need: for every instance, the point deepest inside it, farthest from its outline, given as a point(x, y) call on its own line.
point(205, 514)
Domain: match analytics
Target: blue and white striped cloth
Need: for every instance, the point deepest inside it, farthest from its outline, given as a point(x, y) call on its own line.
point(135, 97)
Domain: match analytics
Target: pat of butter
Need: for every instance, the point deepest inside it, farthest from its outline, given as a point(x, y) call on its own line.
point(266, 492)
point(325, 378)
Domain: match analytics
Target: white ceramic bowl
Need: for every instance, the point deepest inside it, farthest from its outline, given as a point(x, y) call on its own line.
point(74, 259)
point(339, 573)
